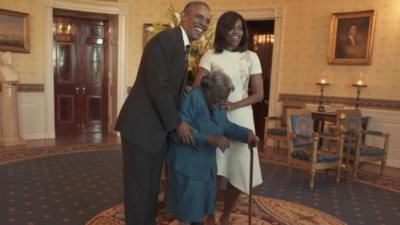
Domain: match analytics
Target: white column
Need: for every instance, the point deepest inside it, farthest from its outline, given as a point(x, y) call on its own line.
point(9, 115)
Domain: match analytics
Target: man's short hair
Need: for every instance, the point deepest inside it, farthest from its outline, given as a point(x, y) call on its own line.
point(192, 4)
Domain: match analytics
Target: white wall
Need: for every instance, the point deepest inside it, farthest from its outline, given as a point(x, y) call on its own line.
point(388, 122)
point(32, 121)
point(31, 115)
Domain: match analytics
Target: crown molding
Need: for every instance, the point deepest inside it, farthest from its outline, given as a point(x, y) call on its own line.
point(254, 13)
point(89, 6)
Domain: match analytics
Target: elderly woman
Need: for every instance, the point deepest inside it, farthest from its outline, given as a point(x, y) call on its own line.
point(192, 169)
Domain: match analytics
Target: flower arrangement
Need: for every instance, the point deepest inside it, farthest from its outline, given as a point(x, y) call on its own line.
point(198, 47)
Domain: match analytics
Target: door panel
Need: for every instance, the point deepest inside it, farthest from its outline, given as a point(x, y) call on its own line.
point(95, 79)
point(66, 108)
point(80, 84)
point(66, 76)
point(94, 109)
point(65, 65)
point(95, 64)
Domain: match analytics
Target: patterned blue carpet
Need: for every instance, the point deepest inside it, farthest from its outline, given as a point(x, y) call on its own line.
point(73, 188)
point(61, 189)
point(352, 202)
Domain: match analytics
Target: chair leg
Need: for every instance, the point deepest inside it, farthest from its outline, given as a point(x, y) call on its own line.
point(356, 162)
point(278, 147)
point(274, 147)
point(383, 164)
point(312, 178)
point(348, 157)
point(289, 171)
point(339, 170)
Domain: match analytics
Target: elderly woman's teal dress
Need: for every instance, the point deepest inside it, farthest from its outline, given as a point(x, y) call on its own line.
point(192, 170)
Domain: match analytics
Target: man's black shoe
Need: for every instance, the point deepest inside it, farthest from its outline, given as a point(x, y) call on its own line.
point(197, 223)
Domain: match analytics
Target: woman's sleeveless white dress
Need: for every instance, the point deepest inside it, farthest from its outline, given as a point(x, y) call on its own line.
point(234, 164)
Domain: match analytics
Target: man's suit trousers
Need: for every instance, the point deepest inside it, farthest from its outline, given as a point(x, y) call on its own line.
point(141, 174)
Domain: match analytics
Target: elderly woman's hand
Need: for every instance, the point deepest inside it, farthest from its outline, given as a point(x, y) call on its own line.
point(252, 140)
point(184, 132)
point(218, 141)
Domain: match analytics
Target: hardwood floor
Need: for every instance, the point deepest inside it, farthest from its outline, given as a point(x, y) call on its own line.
point(67, 140)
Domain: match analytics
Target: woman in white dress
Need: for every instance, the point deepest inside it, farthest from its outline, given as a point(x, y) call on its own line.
point(231, 56)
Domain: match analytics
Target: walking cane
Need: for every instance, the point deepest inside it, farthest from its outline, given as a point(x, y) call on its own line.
point(251, 145)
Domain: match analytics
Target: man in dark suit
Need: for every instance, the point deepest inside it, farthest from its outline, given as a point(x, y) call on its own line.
point(150, 112)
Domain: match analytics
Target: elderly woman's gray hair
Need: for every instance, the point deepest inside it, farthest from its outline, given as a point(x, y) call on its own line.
point(219, 84)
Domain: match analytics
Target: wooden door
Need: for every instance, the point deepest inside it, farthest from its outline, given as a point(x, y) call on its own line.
point(80, 81)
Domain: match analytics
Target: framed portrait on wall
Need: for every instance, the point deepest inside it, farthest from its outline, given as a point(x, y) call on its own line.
point(14, 31)
point(351, 38)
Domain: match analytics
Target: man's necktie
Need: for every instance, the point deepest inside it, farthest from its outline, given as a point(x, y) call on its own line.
point(187, 51)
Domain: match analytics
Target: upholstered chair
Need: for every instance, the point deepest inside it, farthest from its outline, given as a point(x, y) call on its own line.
point(275, 127)
point(303, 146)
point(355, 148)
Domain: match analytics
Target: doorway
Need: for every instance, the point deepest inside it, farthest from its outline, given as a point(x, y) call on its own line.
point(80, 53)
point(261, 38)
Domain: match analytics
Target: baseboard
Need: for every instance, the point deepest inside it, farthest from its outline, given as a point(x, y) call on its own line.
point(34, 136)
point(375, 168)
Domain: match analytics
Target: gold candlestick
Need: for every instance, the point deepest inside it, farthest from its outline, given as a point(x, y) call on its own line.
point(322, 83)
point(359, 85)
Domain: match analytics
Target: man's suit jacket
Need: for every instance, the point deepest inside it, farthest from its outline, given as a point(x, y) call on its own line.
point(151, 108)
point(199, 162)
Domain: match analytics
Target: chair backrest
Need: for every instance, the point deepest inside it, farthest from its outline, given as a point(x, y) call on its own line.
point(286, 105)
point(301, 124)
point(349, 119)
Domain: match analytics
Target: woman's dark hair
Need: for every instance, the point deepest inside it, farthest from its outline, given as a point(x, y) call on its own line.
point(226, 23)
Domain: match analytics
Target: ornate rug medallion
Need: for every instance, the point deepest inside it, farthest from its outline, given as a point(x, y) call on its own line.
point(266, 211)
point(295, 214)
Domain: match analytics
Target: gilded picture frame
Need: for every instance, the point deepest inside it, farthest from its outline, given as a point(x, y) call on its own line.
point(14, 31)
point(351, 38)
